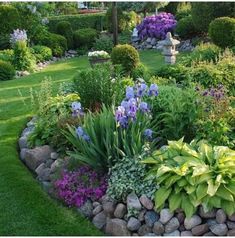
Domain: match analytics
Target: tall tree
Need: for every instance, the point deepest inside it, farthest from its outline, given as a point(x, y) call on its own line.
point(115, 23)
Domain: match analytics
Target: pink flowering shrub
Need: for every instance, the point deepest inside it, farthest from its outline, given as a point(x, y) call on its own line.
point(76, 187)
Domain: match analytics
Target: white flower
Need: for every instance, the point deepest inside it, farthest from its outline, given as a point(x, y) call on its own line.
point(18, 35)
point(98, 54)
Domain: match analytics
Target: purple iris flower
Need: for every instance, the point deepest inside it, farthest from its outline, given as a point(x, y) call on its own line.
point(153, 90)
point(77, 109)
point(148, 133)
point(120, 112)
point(81, 134)
point(141, 89)
point(130, 92)
point(143, 107)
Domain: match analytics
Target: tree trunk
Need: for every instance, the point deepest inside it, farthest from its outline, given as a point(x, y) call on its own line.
point(115, 23)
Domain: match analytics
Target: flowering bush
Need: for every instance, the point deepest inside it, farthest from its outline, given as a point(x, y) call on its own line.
point(98, 55)
point(18, 35)
point(156, 26)
point(76, 187)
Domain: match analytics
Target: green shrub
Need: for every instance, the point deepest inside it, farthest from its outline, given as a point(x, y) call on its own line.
point(141, 71)
point(175, 106)
point(125, 55)
point(41, 53)
point(57, 43)
point(162, 81)
point(22, 58)
point(6, 55)
point(182, 14)
point(222, 31)
point(7, 71)
point(185, 28)
point(95, 21)
point(4, 42)
point(204, 12)
point(194, 174)
point(84, 37)
point(95, 87)
point(104, 42)
point(124, 37)
point(9, 19)
point(64, 28)
point(129, 175)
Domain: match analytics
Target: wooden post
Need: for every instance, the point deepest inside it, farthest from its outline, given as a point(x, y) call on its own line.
point(115, 23)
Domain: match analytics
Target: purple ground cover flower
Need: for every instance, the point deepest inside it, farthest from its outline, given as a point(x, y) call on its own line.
point(76, 187)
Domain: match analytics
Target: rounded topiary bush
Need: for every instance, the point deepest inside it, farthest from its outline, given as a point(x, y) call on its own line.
point(222, 31)
point(104, 42)
point(7, 71)
point(185, 28)
point(125, 55)
point(41, 53)
point(64, 28)
point(84, 37)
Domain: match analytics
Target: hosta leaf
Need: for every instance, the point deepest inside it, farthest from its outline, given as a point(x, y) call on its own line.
point(171, 180)
point(200, 169)
point(228, 207)
point(204, 178)
point(190, 189)
point(187, 206)
point(206, 152)
point(149, 160)
point(175, 201)
point(224, 194)
point(215, 201)
point(201, 191)
point(163, 169)
point(182, 182)
point(213, 187)
point(231, 187)
point(161, 196)
point(187, 150)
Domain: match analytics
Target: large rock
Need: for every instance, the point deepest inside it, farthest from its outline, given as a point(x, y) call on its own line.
point(189, 223)
point(141, 215)
point(23, 143)
point(23, 153)
point(109, 208)
point(209, 234)
point(150, 218)
point(120, 210)
point(158, 228)
point(39, 170)
point(97, 210)
point(153, 41)
point(146, 202)
point(86, 209)
point(232, 217)
point(186, 233)
point(174, 233)
point(180, 216)
point(133, 202)
point(165, 215)
point(231, 225)
point(144, 229)
point(200, 230)
point(211, 222)
point(35, 157)
point(54, 155)
point(219, 229)
point(231, 232)
point(99, 220)
point(45, 175)
point(117, 227)
point(210, 214)
point(133, 224)
point(220, 216)
point(172, 225)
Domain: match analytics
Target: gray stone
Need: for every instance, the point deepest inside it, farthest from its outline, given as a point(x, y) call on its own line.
point(153, 41)
point(174, 233)
point(180, 216)
point(46, 186)
point(220, 216)
point(22, 153)
point(158, 228)
point(117, 227)
point(99, 220)
point(23, 143)
point(54, 155)
point(135, 234)
point(86, 209)
point(210, 214)
point(211, 222)
point(133, 224)
point(133, 202)
point(45, 175)
point(219, 229)
point(27, 131)
point(144, 229)
point(172, 225)
point(120, 210)
point(56, 164)
point(209, 234)
point(150, 234)
point(231, 225)
point(141, 215)
point(150, 218)
point(34, 157)
point(31, 123)
point(109, 208)
point(148, 40)
point(182, 228)
point(200, 229)
point(97, 210)
point(48, 163)
point(232, 217)
point(95, 204)
point(189, 223)
point(186, 233)
point(165, 215)
point(231, 232)
point(149, 46)
point(39, 170)
point(146, 202)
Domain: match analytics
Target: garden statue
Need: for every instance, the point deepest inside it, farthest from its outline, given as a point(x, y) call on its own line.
point(135, 32)
point(168, 47)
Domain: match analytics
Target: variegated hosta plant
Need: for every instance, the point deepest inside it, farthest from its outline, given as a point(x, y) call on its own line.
point(194, 174)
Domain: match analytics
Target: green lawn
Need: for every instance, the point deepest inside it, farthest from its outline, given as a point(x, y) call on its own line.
point(25, 209)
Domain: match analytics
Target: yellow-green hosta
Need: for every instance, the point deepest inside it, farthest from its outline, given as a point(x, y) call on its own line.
point(194, 174)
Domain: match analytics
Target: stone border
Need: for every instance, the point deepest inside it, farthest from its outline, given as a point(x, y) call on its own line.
point(136, 216)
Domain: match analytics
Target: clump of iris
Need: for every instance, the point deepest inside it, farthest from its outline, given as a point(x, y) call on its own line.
point(82, 134)
point(18, 35)
point(77, 109)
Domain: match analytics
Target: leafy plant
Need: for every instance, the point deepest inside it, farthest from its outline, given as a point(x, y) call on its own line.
point(7, 71)
point(84, 37)
point(6, 55)
point(194, 174)
point(104, 42)
point(185, 28)
point(41, 53)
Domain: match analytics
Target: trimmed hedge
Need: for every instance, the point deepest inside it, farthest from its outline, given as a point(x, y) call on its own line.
point(84, 37)
point(95, 20)
point(7, 71)
point(41, 53)
point(185, 28)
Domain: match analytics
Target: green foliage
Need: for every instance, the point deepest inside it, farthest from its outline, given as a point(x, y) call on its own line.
point(95, 87)
point(125, 55)
point(175, 106)
point(9, 19)
point(104, 42)
point(194, 174)
point(141, 71)
point(183, 10)
point(41, 53)
point(22, 58)
point(129, 175)
point(7, 71)
point(79, 21)
point(57, 43)
point(124, 37)
point(84, 37)
point(4, 42)
point(185, 28)
point(204, 12)
point(222, 31)
point(162, 81)
point(6, 55)
point(64, 28)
